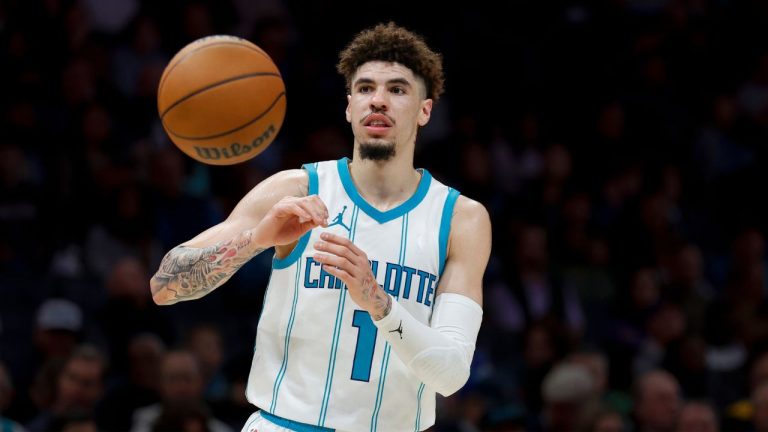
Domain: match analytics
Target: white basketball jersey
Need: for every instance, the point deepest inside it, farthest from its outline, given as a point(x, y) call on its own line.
point(319, 359)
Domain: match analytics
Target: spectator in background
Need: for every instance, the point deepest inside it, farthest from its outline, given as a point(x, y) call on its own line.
point(542, 348)
point(664, 327)
point(688, 286)
point(183, 417)
point(235, 408)
point(181, 384)
point(141, 388)
point(697, 417)
point(143, 48)
point(568, 391)
point(720, 149)
point(178, 215)
point(6, 394)
point(42, 390)
point(640, 300)
point(129, 310)
point(753, 95)
point(539, 293)
point(205, 342)
point(760, 407)
point(657, 402)
point(79, 387)
point(738, 415)
point(603, 419)
point(57, 331)
point(596, 363)
point(20, 211)
point(74, 421)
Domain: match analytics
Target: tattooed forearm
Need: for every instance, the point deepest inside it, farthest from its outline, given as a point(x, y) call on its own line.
point(382, 303)
point(189, 273)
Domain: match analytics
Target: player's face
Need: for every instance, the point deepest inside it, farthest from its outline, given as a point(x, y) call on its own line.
point(386, 107)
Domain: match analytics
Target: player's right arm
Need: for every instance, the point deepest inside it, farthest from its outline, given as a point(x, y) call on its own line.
point(277, 212)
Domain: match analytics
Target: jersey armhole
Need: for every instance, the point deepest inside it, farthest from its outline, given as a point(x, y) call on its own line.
point(445, 225)
point(278, 263)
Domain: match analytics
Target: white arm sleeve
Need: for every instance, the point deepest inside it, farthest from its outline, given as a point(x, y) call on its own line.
point(439, 355)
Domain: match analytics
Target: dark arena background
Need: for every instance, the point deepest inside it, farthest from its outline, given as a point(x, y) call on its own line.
point(620, 147)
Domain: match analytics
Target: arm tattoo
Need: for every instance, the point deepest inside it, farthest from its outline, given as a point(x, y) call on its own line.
point(189, 273)
point(382, 303)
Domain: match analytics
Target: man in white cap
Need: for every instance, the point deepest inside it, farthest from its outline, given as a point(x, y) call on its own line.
point(58, 326)
point(567, 390)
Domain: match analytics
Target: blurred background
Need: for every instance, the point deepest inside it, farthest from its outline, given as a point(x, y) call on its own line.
point(620, 147)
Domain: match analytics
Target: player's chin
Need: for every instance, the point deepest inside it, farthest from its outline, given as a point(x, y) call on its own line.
point(377, 150)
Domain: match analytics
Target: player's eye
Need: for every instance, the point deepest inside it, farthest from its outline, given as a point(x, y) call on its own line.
point(397, 90)
point(365, 89)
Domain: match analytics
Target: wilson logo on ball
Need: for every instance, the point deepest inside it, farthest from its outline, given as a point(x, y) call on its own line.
point(235, 149)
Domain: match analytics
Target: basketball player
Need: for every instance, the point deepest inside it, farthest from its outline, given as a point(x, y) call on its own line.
point(366, 317)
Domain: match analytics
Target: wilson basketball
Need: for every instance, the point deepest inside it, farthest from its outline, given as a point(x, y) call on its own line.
point(221, 100)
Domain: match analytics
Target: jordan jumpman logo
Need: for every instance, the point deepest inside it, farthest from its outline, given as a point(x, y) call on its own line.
point(339, 219)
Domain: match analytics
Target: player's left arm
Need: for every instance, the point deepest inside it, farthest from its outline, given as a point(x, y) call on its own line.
point(439, 354)
point(442, 355)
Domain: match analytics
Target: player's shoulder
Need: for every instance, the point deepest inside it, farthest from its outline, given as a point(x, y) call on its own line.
point(293, 182)
point(470, 223)
point(471, 211)
point(470, 235)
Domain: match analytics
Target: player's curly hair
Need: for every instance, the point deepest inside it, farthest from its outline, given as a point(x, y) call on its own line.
point(391, 43)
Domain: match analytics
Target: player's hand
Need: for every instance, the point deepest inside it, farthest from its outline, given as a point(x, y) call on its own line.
point(290, 219)
point(341, 258)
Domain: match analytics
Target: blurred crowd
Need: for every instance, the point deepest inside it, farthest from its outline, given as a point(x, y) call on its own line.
point(619, 146)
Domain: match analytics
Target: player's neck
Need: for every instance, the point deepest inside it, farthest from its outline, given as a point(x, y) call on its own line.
point(385, 185)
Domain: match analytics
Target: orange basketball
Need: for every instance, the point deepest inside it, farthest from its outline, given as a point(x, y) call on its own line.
point(221, 100)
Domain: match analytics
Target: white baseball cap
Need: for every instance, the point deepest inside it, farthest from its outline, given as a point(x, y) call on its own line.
point(59, 314)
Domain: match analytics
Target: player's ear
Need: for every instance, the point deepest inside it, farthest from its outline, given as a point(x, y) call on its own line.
point(425, 112)
point(347, 112)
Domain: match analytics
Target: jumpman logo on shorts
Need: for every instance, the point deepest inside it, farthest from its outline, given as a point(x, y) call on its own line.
point(339, 220)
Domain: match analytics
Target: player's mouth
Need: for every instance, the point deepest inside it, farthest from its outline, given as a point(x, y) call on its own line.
point(377, 123)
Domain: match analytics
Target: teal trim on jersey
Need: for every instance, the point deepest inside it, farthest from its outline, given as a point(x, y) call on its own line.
point(312, 173)
point(332, 357)
point(387, 347)
point(293, 425)
point(404, 239)
point(445, 225)
point(336, 330)
point(291, 319)
point(377, 215)
point(281, 263)
point(418, 407)
point(380, 389)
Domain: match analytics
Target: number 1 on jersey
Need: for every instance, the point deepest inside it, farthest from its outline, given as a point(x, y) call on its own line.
point(366, 342)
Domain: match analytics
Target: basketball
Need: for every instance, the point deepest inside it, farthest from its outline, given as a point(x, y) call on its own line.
point(221, 100)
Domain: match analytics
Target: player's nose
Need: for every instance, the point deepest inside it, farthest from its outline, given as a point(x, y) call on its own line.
point(379, 99)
